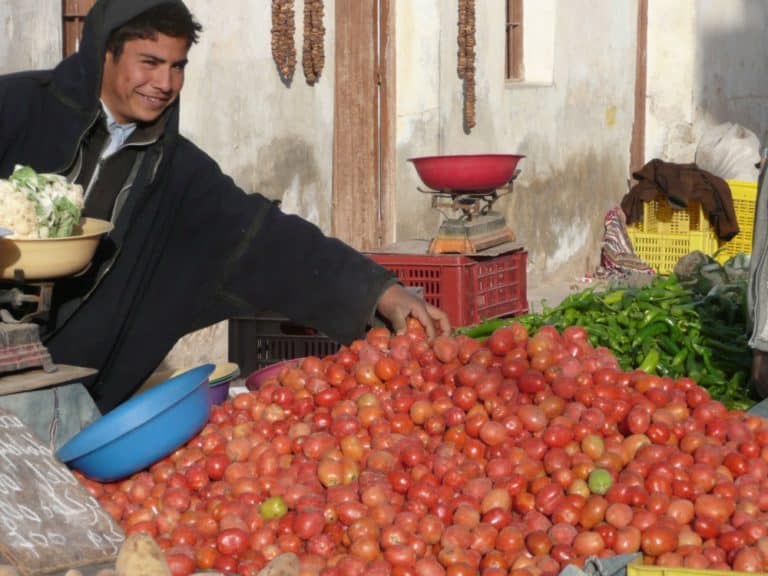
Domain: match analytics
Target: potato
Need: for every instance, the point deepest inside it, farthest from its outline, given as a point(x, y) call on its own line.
point(141, 556)
point(283, 565)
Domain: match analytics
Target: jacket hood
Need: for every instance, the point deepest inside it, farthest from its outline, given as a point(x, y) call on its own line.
point(77, 79)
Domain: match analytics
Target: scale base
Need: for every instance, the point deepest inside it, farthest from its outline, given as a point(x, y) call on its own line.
point(20, 348)
point(470, 236)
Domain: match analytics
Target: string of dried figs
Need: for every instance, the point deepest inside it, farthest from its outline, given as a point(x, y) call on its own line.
point(313, 54)
point(466, 58)
point(283, 30)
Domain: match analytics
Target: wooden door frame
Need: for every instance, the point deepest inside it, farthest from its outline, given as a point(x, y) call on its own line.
point(364, 123)
point(637, 146)
point(73, 15)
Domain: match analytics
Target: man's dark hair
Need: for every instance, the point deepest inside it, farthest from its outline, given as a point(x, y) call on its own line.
point(170, 19)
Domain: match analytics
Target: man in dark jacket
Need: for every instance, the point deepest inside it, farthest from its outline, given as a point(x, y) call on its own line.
point(189, 248)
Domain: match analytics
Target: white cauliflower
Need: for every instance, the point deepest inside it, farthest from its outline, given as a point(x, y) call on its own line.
point(16, 212)
point(39, 205)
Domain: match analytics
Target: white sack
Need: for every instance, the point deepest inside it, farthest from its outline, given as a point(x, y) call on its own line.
point(729, 151)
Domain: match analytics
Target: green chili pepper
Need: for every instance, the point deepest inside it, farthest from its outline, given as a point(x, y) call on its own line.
point(613, 297)
point(652, 331)
point(651, 360)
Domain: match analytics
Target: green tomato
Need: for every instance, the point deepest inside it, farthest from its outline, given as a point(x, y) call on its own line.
point(599, 481)
point(274, 507)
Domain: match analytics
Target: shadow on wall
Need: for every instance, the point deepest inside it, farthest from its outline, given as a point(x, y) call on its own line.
point(287, 171)
point(560, 218)
point(732, 73)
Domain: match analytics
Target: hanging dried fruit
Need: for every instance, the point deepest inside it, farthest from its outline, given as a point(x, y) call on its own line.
point(466, 59)
point(313, 54)
point(283, 30)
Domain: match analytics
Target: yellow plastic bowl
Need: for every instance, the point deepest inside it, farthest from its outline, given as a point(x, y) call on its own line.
point(37, 259)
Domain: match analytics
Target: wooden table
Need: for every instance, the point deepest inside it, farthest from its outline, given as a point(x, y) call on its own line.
point(38, 378)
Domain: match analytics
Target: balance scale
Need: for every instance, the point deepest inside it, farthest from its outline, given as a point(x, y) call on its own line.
point(472, 225)
point(464, 188)
point(21, 304)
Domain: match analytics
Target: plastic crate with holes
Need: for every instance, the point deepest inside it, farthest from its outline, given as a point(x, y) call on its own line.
point(258, 341)
point(659, 217)
point(667, 234)
point(468, 289)
point(662, 251)
point(744, 203)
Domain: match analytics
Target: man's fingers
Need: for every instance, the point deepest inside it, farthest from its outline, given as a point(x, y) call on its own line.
point(442, 319)
point(399, 323)
point(422, 315)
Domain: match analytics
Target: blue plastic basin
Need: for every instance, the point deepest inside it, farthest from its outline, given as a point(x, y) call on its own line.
point(142, 430)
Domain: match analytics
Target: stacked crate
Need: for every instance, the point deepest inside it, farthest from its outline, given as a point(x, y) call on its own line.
point(744, 204)
point(666, 234)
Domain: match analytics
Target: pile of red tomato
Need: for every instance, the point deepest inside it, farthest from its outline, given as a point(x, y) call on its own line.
point(406, 457)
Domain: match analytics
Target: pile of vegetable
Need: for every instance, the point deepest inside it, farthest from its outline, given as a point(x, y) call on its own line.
point(695, 326)
point(36, 205)
point(515, 456)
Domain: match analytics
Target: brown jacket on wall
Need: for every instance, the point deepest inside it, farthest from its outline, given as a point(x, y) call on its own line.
point(680, 184)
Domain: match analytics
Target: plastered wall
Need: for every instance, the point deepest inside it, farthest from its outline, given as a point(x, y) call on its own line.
point(706, 66)
point(573, 129)
point(30, 34)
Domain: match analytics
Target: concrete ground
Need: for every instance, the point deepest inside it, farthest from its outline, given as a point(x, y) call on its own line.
point(551, 292)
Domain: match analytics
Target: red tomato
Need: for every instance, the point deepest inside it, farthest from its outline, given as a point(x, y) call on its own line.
point(180, 564)
point(232, 541)
point(658, 539)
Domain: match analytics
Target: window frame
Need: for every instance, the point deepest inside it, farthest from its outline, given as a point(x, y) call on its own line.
point(514, 62)
point(73, 14)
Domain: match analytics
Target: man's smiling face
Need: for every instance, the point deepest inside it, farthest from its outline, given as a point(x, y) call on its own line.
point(145, 79)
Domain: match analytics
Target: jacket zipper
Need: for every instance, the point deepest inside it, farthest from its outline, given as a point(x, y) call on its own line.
point(74, 158)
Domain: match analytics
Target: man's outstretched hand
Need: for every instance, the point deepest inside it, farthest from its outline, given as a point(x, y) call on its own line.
point(397, 303)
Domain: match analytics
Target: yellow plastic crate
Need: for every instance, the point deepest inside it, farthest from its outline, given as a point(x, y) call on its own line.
point(637, 568)
point(744, 203)
point(660, 218)
point(662, 251)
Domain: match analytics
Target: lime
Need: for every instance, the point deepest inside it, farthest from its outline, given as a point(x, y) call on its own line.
point(599, 481)
point(274, 507)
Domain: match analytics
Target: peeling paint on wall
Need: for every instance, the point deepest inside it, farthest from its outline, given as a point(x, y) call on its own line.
point(271, 138)
point(559, 215)
point(287, 170)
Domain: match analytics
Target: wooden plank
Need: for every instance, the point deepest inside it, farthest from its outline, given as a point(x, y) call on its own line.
point(77, 8)
point(355, 136)
point(388, 126)
point(48, 520)
point(36, 379)
point(637, 146)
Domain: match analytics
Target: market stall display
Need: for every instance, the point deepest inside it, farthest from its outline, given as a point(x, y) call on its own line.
point(522, 454)
point(694, 325)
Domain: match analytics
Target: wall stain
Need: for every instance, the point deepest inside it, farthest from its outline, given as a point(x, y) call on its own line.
point(415, 218)
point(287, 170)
point(559, 215)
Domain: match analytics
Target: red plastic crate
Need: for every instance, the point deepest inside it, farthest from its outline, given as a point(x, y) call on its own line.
point(466, 288)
